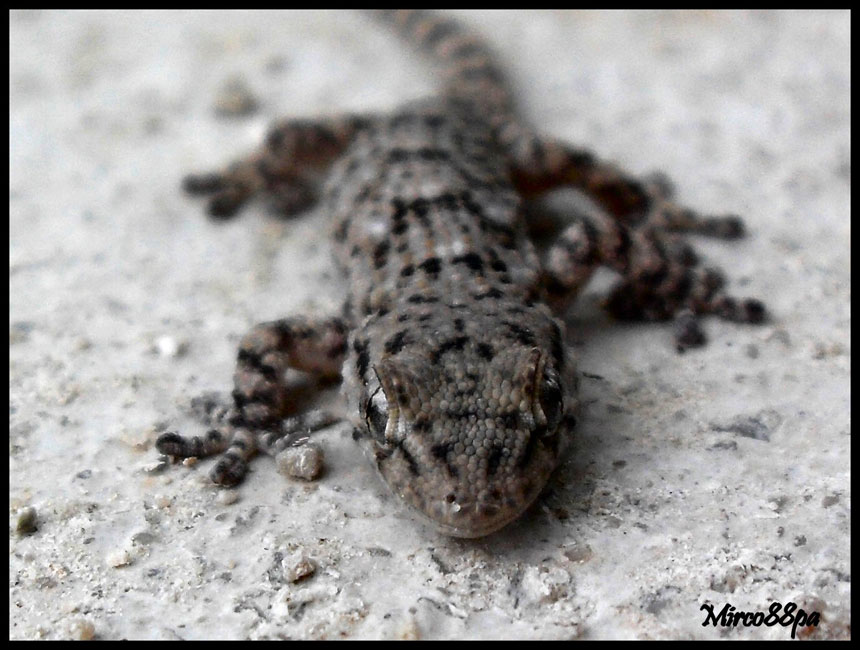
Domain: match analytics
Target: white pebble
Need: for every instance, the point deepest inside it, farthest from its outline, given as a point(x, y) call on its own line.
point(304, 462)
point(281, 603)
point(82, 630)
point(169, 347)
point(119, 558)
point(298, 566)
point(227, 497)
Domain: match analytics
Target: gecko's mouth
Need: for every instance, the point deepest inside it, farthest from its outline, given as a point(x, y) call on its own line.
point(470, 517)
point(475, 519)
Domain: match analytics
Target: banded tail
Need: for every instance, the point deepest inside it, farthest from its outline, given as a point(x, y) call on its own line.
point(468, 64)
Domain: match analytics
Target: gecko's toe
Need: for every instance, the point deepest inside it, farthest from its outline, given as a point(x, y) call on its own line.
point(729, 226)
point(229, 471)
point(171, 444)
point(225, 204)
point(203, 183)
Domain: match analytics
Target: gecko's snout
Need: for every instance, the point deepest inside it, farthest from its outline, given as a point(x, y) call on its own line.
point(465, 514)
point(472, 508)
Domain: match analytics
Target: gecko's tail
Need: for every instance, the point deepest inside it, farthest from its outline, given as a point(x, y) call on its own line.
point(468, 65)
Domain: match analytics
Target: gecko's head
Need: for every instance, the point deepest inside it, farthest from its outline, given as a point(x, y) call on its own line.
point(469, 442)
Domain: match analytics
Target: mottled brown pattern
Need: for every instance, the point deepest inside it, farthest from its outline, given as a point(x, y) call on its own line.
point(454, 367)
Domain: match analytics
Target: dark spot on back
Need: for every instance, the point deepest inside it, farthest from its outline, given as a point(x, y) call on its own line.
point(434, 121)
point(472, 260)
point(340, 232)
point(492, 292)
point(499, 265)
point(397, 155)
point(403, 119)
point(418, 298)
point(396, 343)
point(486, 351)
point(431, 266)
point(427, 153)
point(380, 254)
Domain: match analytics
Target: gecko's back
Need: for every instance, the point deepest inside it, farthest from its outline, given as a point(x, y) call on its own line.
point(443, 284)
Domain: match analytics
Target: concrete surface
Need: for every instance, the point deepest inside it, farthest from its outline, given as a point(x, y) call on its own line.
point(718, 476)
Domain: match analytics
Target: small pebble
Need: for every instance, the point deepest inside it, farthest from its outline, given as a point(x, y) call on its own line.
point(579, 553)
point(156, 466)
point(169, 347)
point(119, 558)
point(82, 344)
point(304, 462)
point(27, 521)
point(82, 630)
point(143, 537)
point(281, 603)
point(298, 567)
point(227, 497)
point(235, 99)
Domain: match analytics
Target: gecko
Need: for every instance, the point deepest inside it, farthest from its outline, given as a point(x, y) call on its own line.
point(451, 346)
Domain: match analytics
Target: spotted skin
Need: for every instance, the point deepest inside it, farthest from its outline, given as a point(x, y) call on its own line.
point(453, 364)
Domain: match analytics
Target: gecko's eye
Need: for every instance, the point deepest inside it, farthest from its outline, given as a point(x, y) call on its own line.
point(377, 414)
point(551, 401)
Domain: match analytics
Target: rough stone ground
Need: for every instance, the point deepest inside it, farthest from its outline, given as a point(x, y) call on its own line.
point(718, 476)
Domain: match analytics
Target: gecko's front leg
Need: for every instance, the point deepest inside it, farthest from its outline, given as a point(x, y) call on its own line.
point(262, 396)
point(282, 170)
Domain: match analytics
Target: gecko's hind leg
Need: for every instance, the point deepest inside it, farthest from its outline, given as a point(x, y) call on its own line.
point(638, 233)
point(666, 215)
point(660, 281)
point(282, 170)
point(262, 396)
point(541, 165)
